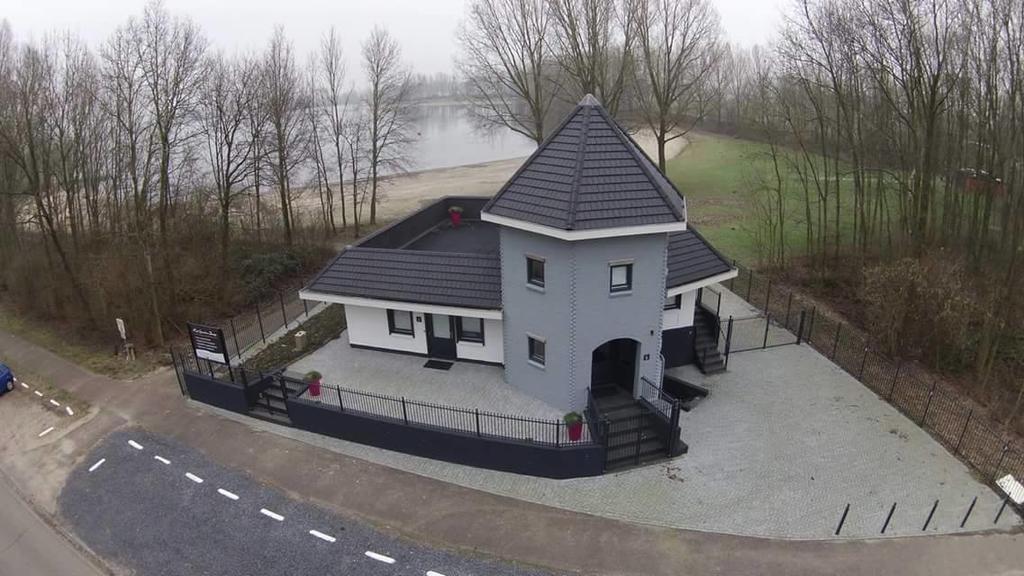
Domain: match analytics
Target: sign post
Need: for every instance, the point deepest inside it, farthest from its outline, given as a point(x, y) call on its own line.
point(129, 350)
point(208, 343)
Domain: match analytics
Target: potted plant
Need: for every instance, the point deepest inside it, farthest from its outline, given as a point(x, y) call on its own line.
point(574, 422)
point(455, 214)
point(313, 379)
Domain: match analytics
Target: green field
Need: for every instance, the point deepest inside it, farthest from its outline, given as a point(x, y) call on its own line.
point(721, 176)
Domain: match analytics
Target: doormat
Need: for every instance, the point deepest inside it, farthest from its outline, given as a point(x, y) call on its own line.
point(438, 364)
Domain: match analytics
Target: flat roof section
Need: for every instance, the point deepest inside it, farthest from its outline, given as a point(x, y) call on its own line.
point(473, 236)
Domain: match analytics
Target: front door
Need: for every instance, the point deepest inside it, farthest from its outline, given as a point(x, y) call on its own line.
point(440, 336)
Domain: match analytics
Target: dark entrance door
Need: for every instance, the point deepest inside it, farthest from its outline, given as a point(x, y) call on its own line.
point(614, 363)
point(440, 336)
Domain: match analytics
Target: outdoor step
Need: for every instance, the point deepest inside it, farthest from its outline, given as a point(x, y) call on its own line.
point(616, 405)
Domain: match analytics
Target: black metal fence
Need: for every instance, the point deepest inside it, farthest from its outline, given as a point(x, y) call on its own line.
point(249, 329)
point(451, 418)
point(954, 421)
point(754, 332)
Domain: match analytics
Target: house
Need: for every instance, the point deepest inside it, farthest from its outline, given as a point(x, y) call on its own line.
point(580, 272)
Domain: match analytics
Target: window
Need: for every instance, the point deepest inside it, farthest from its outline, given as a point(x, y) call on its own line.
point(400, 322)
point(674, 302)
point(535, 271)
point(621, 278)
point(536, 349)
point(471, 329)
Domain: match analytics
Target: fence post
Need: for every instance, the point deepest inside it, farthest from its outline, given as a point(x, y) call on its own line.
point(889, 517)
point(810, 325)
point(895, 377)
point(259, 318)
point(842, 520)
point(558, 433)
point(930, 514)
point(341, 407)
point(728, 343)
point(863, 360)
point(234, 334)
point(995, 471)
point(789, 304)
point(284, 315)
point(405, 415)
point(767, 324)
point(477, 410)
point(1001, 508)
point(750, 283)
point(835, 345)
point(718, 308)
point(928, 404)
point(178, 374)
point(969, 510)
point(733, 279)
point(800, 327)
point(963, 431)
point(768, 296)
point(305, 307)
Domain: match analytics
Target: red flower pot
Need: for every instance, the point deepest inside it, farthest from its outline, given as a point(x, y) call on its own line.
point(314, 388)
point(456, 218)
point(575, 431)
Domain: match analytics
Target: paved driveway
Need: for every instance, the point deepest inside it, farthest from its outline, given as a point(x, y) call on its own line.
point(160, 508)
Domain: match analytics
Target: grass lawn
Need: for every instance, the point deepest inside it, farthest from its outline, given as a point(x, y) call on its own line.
point(720, 177)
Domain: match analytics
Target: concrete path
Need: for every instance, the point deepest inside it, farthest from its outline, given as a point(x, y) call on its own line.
point(440, 514)
point(29, 546)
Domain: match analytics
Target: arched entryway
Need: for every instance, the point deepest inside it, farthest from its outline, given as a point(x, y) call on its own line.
point(615, 363)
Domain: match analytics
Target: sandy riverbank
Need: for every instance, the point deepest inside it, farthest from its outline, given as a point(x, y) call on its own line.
point(404, 194)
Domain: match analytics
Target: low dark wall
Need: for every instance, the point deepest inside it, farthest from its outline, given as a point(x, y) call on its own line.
point(408, 229)
point(460, 448)
point(677, 346)
point(219, 393)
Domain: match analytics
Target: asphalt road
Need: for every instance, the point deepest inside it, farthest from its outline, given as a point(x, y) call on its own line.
point(29, 546)
point(143, 507)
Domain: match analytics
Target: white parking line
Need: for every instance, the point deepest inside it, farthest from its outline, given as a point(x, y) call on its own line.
point(432, 573)
point(45, 432)
point(380, 557)
point(270, 514)
point(161, 459)
point(97, 464)
point(135, 444)
point(23, 385)
point(323, 536)
point(227, 494)
point(37, 393)
point(193, 478)
point(70, 411)
point(55, 403)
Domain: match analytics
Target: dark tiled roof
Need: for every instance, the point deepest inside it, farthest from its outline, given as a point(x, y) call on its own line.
point(691, 258)
point(589, 174)
point(417, 276)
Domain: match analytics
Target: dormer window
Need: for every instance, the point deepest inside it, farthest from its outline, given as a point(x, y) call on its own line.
point(535, 271)
point(620, 277)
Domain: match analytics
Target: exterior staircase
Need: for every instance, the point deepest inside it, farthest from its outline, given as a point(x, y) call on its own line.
point(271, 406)
point(706, 338)
point(632, 436)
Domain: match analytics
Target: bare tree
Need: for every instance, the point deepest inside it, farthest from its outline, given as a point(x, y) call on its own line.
point(677, 47)
point(388, 109)
point(285, 101)
point(506, 61)
point(335, 103)
point(593, 47)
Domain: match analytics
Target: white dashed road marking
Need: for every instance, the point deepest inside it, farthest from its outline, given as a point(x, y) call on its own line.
point(45, 432)
point(55, 403)
point(380, 557)
point(23, 385)
point(135, 444)
point(37, 393)
point(97, 464)
point(70, 411)
point(323, 536)
point(270, 514)
point(161, 459)
point(227, 494)
point(432, 573)
point(193, 478)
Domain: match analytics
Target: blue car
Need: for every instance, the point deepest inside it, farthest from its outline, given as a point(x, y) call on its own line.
point(6, 380)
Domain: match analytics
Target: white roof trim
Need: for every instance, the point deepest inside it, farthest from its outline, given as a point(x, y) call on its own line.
point(396, 305)
point(572, 235)
point(675, 290)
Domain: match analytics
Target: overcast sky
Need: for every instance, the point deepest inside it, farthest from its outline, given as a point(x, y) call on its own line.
point(425, 28)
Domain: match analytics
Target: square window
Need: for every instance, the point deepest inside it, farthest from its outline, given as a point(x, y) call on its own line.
point(471, 329)
point(400, 322)
point(535, 271)
point(621, 278)
point(673, 302)
point(537, 350)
